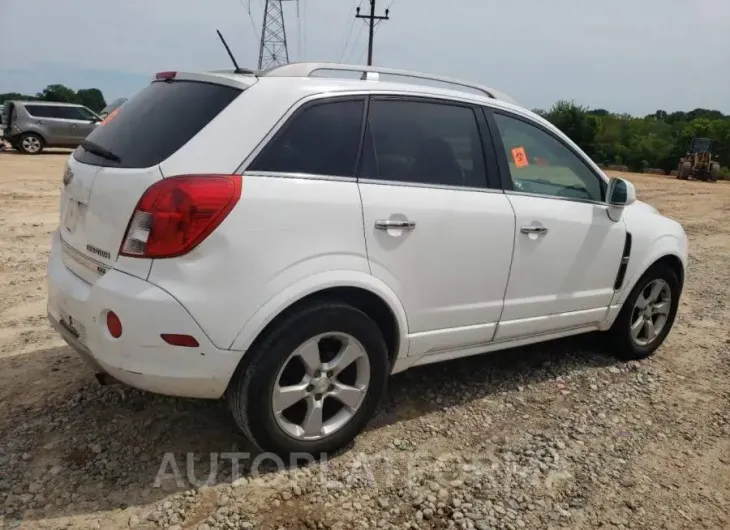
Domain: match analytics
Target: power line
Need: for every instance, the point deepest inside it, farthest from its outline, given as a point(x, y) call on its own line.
point(348, 33)
point(246, 4)
point(355, 42)
point(304, 28)
point(362, 55)
point(372, 18)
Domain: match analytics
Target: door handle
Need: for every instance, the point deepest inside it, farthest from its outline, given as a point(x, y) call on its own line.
point(387, 224)
point(533, 229)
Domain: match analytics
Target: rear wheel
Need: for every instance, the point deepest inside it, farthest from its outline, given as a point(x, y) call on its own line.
point(313, 382)
point(30, 144)
point(647, 315)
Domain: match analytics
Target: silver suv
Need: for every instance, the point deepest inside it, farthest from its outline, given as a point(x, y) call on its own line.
point(30, 126)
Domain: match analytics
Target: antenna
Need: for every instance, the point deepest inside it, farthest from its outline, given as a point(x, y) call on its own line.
point(237, 70)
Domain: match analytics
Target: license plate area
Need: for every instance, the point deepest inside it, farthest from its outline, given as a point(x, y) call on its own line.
point(73, 326)
point(73, 212)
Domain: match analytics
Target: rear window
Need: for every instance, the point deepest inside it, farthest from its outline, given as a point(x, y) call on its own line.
point(155, 123)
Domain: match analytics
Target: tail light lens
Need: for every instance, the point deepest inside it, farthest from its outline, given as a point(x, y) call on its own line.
point(176, 214)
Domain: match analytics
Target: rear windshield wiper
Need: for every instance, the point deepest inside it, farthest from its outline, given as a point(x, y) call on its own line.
point(98, 150)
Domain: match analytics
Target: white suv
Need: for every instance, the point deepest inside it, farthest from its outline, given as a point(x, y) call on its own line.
point(290, 238)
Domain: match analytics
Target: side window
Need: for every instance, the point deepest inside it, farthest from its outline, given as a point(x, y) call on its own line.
point(540, 163)
point(73, 113)
point(42, 111)
point(85, 114)
point(423, 142)
point(322, 139)
point(68, 113)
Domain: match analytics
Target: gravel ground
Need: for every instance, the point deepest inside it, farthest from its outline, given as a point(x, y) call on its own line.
point(557, 435)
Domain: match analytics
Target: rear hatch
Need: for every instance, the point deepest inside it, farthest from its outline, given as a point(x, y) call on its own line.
point(7, 117)
point(108, 174)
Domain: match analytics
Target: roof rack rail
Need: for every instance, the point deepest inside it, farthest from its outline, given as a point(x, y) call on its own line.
point(307, 69)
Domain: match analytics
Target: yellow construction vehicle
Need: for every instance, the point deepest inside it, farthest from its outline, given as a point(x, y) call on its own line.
point(699, 163)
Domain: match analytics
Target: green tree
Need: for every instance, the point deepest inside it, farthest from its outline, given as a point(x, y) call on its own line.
point(657, 140)
point(92, 98)
point(15, 96)
point(59, 93)
point(575, 121)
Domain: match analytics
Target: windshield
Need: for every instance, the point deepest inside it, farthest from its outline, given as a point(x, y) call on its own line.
point(701, 145)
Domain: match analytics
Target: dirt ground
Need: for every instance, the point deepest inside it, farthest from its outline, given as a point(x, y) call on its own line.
point(574, 438)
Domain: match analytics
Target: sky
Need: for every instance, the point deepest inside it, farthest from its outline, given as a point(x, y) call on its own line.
point(623, 55)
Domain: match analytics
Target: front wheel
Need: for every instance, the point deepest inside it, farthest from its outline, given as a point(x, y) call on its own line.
point(647, 315)
point(312, 384)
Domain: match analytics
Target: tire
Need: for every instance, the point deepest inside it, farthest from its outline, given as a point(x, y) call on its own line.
point(626, 346)
point(251, 391)
point(30, 144)
point(714, 171)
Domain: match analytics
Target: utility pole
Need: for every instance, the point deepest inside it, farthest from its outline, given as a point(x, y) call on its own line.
point(372, 18)
point(273, 50)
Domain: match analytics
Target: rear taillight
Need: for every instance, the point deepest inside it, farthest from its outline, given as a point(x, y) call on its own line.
point(176, 214)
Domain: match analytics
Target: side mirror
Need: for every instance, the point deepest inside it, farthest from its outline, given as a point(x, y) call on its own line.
point(621, 193)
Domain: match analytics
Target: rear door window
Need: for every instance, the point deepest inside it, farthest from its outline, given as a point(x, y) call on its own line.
point(155, 123)
point(423, 142)
point(43, 111)
point(323, 138)
point(76, 113)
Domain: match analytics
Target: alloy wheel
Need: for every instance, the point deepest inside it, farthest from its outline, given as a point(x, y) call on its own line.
point(651, 312)
point(31, 144)
point(321, 386)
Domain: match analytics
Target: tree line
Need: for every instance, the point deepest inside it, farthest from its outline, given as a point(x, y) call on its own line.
point(89, 97)
point(655, 141)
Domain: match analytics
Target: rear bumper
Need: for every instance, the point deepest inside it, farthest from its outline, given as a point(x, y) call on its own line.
point(139, 358)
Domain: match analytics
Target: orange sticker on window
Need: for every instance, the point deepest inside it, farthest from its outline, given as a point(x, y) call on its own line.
point(520, 157)
point(110, 117)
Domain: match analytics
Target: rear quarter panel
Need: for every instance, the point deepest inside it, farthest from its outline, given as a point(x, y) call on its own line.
point(283, 230)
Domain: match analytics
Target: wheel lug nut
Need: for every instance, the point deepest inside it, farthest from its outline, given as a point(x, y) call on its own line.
point(310, 388)
point(317, 373)
point(318, 397)
point(330, 373)
point(331, 388)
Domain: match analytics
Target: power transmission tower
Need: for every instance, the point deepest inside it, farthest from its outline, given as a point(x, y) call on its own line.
point(273, 50)
point(372, 18)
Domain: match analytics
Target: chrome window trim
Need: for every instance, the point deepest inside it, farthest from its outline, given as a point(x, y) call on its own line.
point(404, 184)
point(378, 182)
point(555, 197)
point(306, 176)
